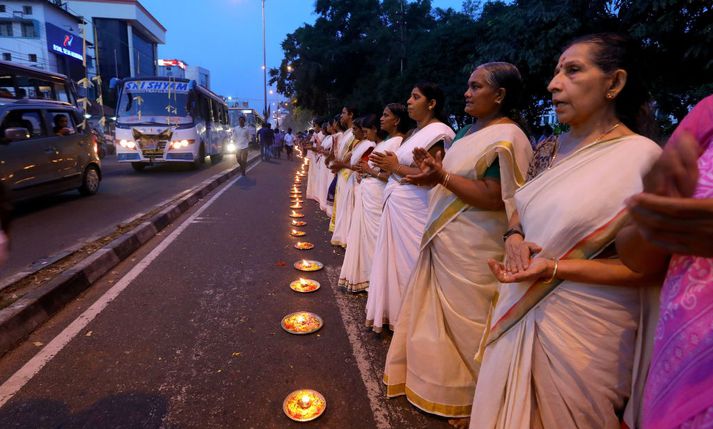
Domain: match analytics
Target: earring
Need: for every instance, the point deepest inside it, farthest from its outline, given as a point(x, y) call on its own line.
point(430, 107)
point(610, 96)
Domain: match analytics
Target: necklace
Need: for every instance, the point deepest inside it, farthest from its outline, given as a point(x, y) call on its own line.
point(555, 152)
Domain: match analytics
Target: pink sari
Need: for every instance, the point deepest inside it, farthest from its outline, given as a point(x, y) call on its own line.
point(679, 389)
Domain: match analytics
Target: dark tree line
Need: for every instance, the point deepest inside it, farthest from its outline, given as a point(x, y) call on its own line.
point(367, 53)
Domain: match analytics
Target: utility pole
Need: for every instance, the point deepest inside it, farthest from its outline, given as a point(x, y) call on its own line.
point(403, 47)
point(264, 65)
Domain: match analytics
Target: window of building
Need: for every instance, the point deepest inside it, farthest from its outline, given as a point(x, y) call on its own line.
point(27, 10)
point(6, 29)
point(33, 58)
point(6, 56)
point(28, 29)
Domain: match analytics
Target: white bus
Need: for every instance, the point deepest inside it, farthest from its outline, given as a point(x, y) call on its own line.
point(161, 119)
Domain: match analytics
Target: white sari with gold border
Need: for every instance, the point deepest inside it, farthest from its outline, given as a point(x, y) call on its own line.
point(368, 205)
point(341, 152)
point(400, 231)
point(562, 355)
point(449, 296)
point(345, 184)
point(326, 176)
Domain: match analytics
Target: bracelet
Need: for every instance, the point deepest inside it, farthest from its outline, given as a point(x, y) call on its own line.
point(398, 169)
point(513, 231)
point(554, 273)
point(446, 179)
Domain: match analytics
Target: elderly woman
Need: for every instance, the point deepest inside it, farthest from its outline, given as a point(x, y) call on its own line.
point(370, 199)
point(448, 299)
point(563, 338)
point(405, 206)
point(674, 216)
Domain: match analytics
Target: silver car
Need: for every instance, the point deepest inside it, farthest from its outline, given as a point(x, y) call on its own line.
point(45, 150)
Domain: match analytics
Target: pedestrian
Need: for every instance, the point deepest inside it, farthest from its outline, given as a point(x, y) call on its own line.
point(5, 215)
point(289, 143)
point(266, 138)
point(567, 331)
point(341, 217)
point(672, 230)
point(405, 206)
point(242, 141)
point(445, 310)
point(279, 139)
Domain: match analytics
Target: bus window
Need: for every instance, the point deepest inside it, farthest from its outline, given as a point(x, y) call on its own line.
point(61, 93)
point(7, 87)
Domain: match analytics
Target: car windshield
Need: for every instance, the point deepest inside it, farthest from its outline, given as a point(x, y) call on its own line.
point(139, 104)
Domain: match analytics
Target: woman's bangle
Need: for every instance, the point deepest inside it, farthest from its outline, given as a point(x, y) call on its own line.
point(398, 169)
point(554, 273)
point(445, 180)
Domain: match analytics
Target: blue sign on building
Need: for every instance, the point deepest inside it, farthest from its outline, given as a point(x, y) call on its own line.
point(63, 42)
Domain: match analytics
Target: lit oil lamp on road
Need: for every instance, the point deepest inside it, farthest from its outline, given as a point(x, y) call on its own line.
point(298, 223)
point(296, 214)
point(304, 285)
point(303, 245)
point(301, 323)
point(297, 233)
point(296, 200)
point(308, 265)
point(304, 405)
point(296, 206)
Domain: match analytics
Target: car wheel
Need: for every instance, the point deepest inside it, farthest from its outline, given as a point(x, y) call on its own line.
point(90, 181)
point(214, 159)
point(138, 166)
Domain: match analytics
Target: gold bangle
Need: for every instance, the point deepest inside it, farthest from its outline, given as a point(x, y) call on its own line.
point(554, 273)
point(398, 170)
point(446, 179)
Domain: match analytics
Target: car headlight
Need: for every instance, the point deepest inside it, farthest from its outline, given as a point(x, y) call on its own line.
point(231, 147)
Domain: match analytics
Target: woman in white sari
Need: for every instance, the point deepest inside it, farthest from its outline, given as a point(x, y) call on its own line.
point(405, 207)
point(565, 343)
point(313, 155)
point(330, 146)
point(364, 231)
point(339, 166)
point(449, 296)
point(345, 186)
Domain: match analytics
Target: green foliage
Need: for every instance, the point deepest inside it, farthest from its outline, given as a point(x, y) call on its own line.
point(367, 53)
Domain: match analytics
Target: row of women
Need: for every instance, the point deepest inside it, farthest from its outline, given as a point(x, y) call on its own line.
point(523, 287)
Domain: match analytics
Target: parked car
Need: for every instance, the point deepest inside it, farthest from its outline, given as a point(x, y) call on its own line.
point(45, 150)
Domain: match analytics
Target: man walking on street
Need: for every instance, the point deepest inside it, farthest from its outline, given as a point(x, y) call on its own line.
point(242, 140)
point(279, 137)
point(267, 139)
point(289, 143)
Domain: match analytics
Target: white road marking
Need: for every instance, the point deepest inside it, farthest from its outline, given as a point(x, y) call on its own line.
point(363, 359)
point(20, 378)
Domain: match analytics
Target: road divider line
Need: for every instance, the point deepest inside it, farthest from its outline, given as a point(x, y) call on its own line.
point(359, 350)
point(22, 376)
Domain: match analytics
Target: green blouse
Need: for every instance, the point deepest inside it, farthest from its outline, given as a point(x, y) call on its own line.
point(493, 171)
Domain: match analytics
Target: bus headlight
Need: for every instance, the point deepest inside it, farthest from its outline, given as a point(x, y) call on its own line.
point(178, 144)
point(128, 144)
point(231, 147)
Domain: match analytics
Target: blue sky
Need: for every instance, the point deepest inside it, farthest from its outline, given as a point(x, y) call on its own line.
point(225, 36)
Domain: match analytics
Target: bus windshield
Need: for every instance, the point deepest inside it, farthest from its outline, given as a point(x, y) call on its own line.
point(154, 102)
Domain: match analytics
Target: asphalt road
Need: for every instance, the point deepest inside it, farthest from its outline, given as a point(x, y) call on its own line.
point(194, 340)
point(44, 227)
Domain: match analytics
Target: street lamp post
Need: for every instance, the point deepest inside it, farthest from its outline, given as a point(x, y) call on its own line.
point(264, 64)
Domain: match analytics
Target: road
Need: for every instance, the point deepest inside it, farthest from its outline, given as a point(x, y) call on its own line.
point(44, 227)
point(186, 333)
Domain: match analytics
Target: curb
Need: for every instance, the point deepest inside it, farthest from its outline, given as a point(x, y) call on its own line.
point(22, 317)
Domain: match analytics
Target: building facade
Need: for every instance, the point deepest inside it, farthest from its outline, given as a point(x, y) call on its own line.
point(172, 68)
point(125, 38)
point(42, 34)
point(199, 74)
